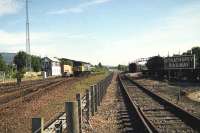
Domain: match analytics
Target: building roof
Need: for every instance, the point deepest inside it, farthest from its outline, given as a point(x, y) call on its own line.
point(53, 59)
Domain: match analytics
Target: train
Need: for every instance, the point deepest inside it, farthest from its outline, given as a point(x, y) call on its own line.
point(65, 67)
point(67, 70)
point(81, 68)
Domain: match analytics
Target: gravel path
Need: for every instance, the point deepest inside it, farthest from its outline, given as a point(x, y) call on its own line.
point(112, 115)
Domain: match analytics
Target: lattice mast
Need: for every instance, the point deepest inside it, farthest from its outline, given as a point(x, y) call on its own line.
point(28, 49)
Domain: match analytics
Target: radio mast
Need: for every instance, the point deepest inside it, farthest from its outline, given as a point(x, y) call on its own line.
point(28, 49)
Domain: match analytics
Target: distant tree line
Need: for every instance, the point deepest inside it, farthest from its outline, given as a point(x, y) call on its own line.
point(123, 68)
point(3, 65)
point(99, 68)
point(65, 61)
point(21, 58)
point(18, 67)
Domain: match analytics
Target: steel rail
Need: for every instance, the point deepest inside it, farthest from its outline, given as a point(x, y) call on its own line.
point(188, 118)
point(146, 124)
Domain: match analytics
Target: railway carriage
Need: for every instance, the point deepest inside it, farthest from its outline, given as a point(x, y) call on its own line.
point(67, 70)
point(81, 68)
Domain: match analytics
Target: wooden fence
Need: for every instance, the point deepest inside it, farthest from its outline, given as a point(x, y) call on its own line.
point(77, 113)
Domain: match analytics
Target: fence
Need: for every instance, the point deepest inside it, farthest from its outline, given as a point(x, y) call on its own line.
point(2, 76)
point(77, 113)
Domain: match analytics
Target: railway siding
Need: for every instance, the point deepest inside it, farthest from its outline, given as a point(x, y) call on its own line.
point(16, 116)
point(160, 113)
point(170, 91)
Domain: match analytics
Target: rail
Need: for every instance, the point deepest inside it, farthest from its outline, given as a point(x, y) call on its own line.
point(189, 119)
point(87, 106)
point(145, 124)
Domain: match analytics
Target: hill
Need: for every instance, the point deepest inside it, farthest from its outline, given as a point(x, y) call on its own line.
point(8, 57)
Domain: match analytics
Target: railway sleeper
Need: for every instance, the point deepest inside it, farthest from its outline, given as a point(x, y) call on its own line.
point(175, 129)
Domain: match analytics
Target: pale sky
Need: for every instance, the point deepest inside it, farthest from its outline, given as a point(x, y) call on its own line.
point(108, 31)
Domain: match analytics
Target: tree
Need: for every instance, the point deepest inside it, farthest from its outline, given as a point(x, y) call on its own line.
point(195, 51)
point(2, 64)
point(100, 65)
point(20, 61)
point(155, 63)
point(36, 63)
point(132, 67)
point(122, 67)
point(65, 61)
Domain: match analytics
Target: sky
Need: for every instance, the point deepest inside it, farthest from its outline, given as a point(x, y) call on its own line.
point(109, 31)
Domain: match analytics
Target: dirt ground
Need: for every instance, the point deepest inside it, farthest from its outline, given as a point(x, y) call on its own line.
point(194, 96)
point(17, 118)
point(108, 118)
point(189, 101)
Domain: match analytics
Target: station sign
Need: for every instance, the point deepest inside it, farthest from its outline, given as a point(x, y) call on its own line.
point(180, 62)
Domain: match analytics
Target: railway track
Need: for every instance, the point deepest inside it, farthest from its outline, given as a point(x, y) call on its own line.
point(156, 113)
point(29, 90)
point(10, 87)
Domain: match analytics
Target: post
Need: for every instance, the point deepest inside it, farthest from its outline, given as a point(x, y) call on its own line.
point(169, 76)
point(92, 101)
point(95, 98)
point(37, 125)
point(98, 94)
point(179, 94)
point(88, 104)
point(18, 78)
point(72, 119)
point(194, 61)
point(78, 98)
point(104, 86)
point(4, 76)
point(101, 91)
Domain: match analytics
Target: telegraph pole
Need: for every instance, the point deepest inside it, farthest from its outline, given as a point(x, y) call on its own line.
point(28, 49)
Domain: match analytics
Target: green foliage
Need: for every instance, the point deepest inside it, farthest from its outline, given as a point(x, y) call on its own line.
point(195, 51)
point(100, 65)
point(8, 69)
point(122, 67)
point(36, 63)
point(66, 61)
point(20, 60)
point(99, 69)
point(155, 66)
point(155, 63)
point(3, 66)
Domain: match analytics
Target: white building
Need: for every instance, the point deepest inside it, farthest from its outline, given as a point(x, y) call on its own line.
point(51, 66)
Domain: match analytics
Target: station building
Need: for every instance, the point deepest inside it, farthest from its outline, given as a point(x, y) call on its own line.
point(51, 66)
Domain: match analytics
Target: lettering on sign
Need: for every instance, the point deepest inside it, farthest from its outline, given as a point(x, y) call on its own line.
point(180, 62)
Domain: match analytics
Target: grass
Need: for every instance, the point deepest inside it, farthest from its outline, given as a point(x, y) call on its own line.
point(57, 104)
point(46, 106)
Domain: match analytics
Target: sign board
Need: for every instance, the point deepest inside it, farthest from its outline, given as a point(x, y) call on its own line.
point(180, 62)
